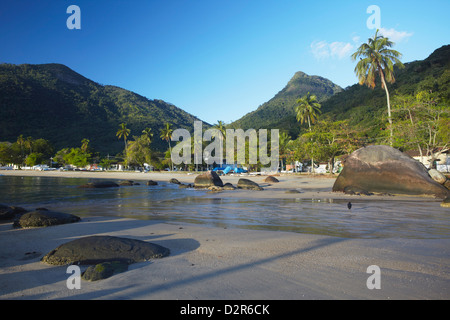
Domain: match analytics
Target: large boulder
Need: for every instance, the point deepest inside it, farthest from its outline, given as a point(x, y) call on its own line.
point(208, 179)
point(44, 218)
point(248, 184)
point(382, 169)
point(100, 249)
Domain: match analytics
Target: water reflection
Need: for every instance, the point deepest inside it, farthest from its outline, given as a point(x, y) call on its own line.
point(366, 219)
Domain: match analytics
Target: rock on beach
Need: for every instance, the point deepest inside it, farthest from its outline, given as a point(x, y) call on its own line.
point(271, 179)
point(248, 184)
point(208, 179)
point(44, 218)
point(99, 249)
point(382, 169)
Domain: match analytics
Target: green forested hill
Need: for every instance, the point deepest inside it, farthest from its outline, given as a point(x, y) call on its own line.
point(361, 105)
point(278, 111)
point(53, 102)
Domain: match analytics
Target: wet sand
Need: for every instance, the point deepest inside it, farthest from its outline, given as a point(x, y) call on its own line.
point(211, 263)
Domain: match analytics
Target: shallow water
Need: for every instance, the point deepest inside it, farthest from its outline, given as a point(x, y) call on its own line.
point(366, 219)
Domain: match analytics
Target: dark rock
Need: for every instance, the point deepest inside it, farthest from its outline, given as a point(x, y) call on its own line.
point(184, 186)
point(382, 169)
point(44, 218)
point(248, 184)
point(126, 183)
point(99, 249)
point(152, 183)
point(174, 181)
point(104, 270)
point(208, 179)
point(446, 203)
point(271, 179)
point(10, 212)
point(228, 186)
point(100, 184)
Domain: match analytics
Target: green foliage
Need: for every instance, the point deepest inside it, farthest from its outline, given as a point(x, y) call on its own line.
point(35, 158)
point(138, 151)
point(77, 157)
point(59, 105)
point(422, 122)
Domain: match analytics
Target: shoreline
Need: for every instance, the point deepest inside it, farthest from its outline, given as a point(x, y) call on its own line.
point(215, 263)
point(317, 186)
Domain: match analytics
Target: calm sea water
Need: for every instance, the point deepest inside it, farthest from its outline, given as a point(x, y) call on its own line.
point(366, 219)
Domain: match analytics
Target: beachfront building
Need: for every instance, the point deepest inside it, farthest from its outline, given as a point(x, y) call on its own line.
point(442, 161)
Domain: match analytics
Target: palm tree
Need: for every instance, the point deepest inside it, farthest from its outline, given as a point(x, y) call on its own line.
point(283, 143)
point(221, 127)
point(29, 144)
point(166, 134)
point(376, 58)
point(307, 109)
point(84, 145)
point(21, 143)
point(148, 134)
point(123, 132)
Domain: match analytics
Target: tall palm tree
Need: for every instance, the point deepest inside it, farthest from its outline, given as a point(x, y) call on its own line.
point(123, 132)
point(376, 58)
point(21, 143)
point(307, 109)
point(148, 134)
point(283, 143)
point(166, 134)
point(221, 126)
point(29, 144)
point(84, 145)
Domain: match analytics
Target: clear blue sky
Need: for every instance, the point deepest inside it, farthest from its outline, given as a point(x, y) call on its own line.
point(215, 59)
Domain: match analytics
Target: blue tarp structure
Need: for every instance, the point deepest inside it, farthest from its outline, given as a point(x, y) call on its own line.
point(227, 169)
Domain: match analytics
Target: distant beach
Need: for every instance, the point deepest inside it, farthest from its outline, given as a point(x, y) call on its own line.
point(218, 263)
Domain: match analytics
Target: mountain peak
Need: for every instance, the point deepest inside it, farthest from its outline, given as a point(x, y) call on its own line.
point(282, 105)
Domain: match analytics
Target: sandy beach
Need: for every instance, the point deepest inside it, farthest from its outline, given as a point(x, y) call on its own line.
point(211, 263)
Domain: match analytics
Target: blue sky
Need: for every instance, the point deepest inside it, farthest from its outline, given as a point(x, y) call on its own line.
point(215, 59)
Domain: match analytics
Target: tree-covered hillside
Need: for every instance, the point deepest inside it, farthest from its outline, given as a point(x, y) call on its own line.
point(360, 105)
point(53, 102)
point(277, 112)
